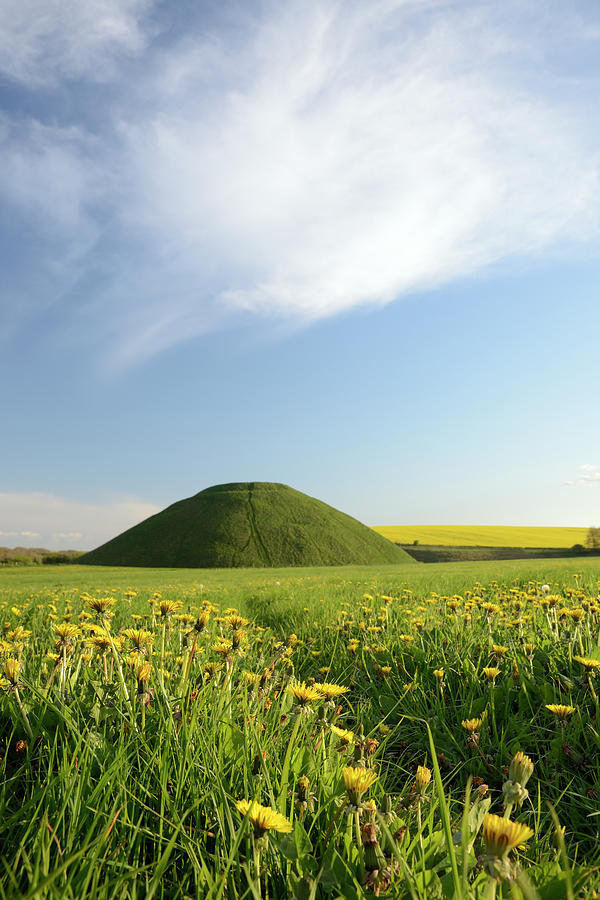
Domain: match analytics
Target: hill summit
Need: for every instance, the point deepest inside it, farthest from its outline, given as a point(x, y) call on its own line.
point(249, 524)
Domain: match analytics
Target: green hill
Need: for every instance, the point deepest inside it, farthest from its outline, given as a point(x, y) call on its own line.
point(250, 524)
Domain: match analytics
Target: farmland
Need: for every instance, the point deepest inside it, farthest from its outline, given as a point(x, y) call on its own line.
point(483, 535)
point(401, 731)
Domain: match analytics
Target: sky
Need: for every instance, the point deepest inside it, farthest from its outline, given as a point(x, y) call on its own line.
point(347, 245)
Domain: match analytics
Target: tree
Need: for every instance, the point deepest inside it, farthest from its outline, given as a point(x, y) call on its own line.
point(592, 540)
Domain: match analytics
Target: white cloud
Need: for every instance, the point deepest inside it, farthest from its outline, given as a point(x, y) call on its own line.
point(41, 40)
point(326, 156)
point(589, 476)
point(19, 534)
point(53, 518)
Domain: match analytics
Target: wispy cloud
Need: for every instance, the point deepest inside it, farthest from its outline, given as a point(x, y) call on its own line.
point(589, 476)
point(53, 518)
point(19, 534)
point(317, 157)
point(42, 41)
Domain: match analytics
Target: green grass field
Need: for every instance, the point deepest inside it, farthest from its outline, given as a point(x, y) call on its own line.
point(483, 535)
point(138, 712)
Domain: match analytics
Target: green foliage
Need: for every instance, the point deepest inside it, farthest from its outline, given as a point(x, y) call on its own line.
point(254, 524)
point(131, 801)
point(36, 556)
point(592, 539)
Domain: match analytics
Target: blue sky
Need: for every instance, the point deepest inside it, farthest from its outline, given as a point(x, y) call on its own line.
point(348, 246)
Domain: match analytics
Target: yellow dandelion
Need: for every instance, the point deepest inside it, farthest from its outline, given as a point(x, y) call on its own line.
point(471, 726)
point(501, 835)
point(100, 642)
point(142, 673)
point(11, 670)
point(222, 646)
point(560, 711)
point(18, 635)
point(343, 734)
point(304, 693)
point(100, 605)
point(166, 607)
point(140, 638)
point(491, 672)
point(66, 634)
point(330, 691)
point(357, 780)
point(587, 662)
point(521, 768)
point(202, 621)
point(423, 778)
point(263, 818)
point(236, 621)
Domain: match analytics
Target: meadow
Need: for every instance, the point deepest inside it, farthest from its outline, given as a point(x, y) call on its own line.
point(484, 535)
point(404, 731)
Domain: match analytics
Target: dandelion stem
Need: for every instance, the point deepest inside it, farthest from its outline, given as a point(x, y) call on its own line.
point(121, 678)
point(359, 842)
point(23, 714)
point(256, 853)
point(188, 664)
point(286, 766)
point(63, 677)
point(490, 893)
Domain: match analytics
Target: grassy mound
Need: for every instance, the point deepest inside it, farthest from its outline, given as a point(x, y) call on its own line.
point(250, 524)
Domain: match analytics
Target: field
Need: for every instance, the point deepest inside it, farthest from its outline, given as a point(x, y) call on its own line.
point(398, 731)
point(483, 535)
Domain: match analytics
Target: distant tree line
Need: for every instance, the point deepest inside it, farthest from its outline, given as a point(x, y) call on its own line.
point(36, 556)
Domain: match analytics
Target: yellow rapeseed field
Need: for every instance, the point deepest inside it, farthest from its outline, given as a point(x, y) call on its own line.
point(483, 535)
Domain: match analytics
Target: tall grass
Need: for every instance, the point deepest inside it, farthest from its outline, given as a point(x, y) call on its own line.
point(132, 788)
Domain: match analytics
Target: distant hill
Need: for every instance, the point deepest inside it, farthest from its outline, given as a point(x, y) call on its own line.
point(252, 524)
point(484, 535)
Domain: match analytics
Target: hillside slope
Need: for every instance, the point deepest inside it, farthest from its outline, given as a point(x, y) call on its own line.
point(249, 524)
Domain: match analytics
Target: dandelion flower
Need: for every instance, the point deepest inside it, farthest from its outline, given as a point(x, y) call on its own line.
point(330, 691)
point(236, 621)
point(560, 711)
point(142, 672)
point(587, 662)
point(491, 672)
point(140, 638)
point(357, 780)
point(471, 726)
point(423, 778)
point(166, 607)
point(100, 605)
point(263, 818)
point(521, 768)
point(11, 670)
point(501, 835)
point(222, 646)
point(343, 734)
point(304, 693)
point(66, 634)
